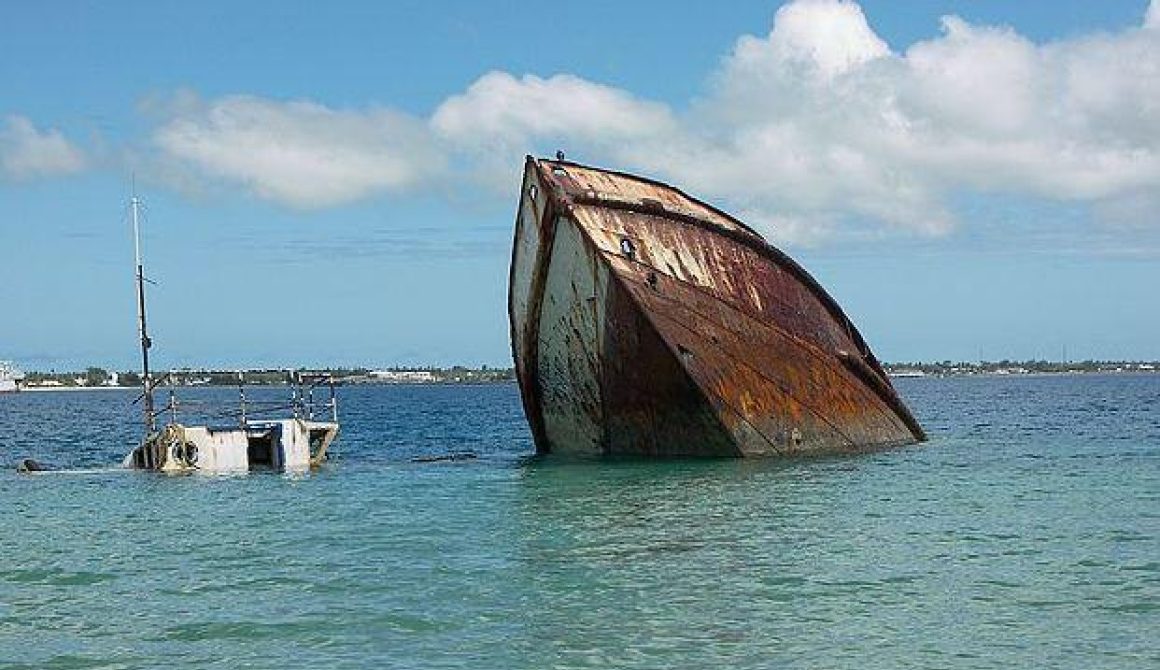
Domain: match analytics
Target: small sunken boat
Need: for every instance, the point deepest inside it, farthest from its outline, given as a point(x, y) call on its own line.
point(645, 322)
point(271, 435)
point(248, 438)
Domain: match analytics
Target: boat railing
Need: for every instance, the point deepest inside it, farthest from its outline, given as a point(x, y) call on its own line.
point(302, 403)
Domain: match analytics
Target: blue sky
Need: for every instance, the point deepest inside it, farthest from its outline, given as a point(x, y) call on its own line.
point(336, 184)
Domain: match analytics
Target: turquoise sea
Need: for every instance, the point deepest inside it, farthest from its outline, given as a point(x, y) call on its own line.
point(1025, 534)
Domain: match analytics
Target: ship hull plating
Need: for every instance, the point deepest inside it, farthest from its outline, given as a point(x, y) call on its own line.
point(647, 323)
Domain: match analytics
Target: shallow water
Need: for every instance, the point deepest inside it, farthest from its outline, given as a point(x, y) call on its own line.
point(1025, 534)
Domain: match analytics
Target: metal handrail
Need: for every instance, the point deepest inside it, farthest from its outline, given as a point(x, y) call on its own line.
point(302, 403)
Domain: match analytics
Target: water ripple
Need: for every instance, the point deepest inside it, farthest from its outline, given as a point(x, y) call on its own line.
point(1024, 535)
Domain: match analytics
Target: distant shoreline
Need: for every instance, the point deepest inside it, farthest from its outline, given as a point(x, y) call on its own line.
point(892, 374)
point(1068, 373)
point(1017, 368)
point(47, 389)
point(97, 377)
point(102, 379)
point(74, 389)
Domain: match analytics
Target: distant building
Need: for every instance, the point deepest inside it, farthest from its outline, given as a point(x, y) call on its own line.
point(10, 378)
point(403, 376)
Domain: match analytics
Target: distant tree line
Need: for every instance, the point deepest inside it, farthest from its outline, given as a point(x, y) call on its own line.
point(91, 376)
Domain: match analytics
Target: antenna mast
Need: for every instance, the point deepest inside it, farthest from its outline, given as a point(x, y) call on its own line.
point(146, 382)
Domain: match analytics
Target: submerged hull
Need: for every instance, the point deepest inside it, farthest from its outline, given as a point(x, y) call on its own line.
point(647, 323)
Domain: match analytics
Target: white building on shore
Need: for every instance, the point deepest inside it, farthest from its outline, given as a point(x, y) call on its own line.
point(403, 376)
point(10, 378)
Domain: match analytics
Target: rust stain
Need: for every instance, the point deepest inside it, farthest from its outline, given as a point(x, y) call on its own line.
point(646, 322)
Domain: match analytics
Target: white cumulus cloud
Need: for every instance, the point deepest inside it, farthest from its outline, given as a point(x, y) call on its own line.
point(300, 153)
point(802, 127)
point(26, 152)
point(499, 108)
point(499, 118)
point(819, 127)
point(824, 38)
point(816, 128)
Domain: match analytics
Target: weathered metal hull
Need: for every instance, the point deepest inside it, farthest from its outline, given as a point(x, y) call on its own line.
point(645, 322)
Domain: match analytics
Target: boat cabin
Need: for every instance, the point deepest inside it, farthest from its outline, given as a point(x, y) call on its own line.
point(288, 444)
point(297, 442)
point(285, 444)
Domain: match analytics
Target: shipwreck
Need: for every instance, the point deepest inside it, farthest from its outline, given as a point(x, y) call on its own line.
point(645, 322)
point(267, 435)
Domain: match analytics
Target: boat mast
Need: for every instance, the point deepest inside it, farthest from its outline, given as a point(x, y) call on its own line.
point(146, 383)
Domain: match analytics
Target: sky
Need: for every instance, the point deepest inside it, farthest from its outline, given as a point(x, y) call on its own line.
point(335, 183)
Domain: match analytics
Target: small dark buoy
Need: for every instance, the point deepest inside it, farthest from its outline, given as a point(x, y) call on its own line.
point(30, 465)
point(559, 155)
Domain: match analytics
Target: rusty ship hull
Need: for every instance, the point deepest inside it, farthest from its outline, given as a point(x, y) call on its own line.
point(645, 322)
